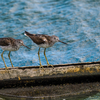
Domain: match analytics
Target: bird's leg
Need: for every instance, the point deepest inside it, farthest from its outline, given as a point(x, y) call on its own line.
point(39, 58)
point(10, 58)
point(3, 60)
point(12, 64)
point(47, 59)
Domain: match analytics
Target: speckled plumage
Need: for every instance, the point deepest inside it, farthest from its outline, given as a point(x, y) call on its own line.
point(10, 44)
point(43, 41)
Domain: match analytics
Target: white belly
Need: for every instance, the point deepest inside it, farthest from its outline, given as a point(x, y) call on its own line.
point(44, 45)
point(9, 48)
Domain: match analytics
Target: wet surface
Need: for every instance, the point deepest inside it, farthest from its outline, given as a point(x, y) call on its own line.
point(53, 91)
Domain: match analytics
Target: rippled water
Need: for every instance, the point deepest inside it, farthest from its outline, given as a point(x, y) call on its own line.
point(76, 22)
point(73, 21)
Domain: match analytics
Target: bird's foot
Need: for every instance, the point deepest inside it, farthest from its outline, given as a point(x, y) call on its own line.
point(41, 67)
point(50, 65)
point(6, 68)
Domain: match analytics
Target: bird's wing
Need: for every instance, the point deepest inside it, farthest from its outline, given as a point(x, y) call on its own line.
point(4, 42)
point(39, 39)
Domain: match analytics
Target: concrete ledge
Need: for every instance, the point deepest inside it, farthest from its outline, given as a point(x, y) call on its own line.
point(63, 70)
point(62, 80)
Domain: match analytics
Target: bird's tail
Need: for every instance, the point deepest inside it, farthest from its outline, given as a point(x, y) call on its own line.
point(28, 34)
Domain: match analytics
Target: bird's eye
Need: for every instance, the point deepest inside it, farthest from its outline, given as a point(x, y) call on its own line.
point(20, 42)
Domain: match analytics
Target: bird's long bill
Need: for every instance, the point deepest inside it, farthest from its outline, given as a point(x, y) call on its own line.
point(26, 46)
point(63, 42)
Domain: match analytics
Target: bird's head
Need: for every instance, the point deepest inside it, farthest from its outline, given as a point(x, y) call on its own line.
point(56, 39)
point(20, 43)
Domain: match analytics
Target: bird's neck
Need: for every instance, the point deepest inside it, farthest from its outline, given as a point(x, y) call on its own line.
point(17, 46)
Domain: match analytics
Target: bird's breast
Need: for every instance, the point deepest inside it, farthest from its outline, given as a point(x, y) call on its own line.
point(9, 48)
point(45, 45)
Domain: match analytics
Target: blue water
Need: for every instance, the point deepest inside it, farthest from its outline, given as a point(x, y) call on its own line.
point(73, 21)
point(76, 22)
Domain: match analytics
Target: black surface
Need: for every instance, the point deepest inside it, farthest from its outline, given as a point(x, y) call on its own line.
point(48, 81)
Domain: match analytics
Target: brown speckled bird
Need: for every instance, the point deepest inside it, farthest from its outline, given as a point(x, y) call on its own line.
point(10, 44)
point(43, 41)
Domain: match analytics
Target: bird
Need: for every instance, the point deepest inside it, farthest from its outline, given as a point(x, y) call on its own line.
point(10, 44)
point(43, 41)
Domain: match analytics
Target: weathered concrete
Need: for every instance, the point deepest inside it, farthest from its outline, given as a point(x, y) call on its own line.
point(64, 79)
point(64, 70)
